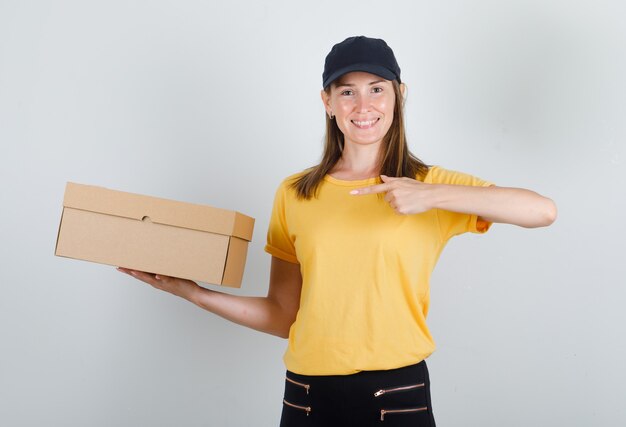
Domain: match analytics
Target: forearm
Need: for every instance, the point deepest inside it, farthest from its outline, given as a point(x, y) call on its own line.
point(496, 204)
point(259, 313)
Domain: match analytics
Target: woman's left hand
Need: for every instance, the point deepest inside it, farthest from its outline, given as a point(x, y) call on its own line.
point(405, 195)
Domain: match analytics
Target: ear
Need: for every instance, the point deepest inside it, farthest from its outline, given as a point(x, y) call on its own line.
point(326, 101)
point(403, 90)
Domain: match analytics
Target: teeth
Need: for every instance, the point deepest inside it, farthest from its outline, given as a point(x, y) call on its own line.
point(367, 123)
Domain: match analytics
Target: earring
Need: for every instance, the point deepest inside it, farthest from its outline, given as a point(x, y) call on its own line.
point(330, 115)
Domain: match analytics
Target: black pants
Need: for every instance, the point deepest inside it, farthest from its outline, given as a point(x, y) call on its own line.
point(398, 397)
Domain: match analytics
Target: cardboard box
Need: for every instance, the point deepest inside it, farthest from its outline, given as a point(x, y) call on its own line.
point(191, 241)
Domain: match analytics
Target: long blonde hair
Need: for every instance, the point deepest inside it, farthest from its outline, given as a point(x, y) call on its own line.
point(396, 160)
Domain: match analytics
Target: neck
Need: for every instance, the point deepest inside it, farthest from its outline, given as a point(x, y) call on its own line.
point(358, 161)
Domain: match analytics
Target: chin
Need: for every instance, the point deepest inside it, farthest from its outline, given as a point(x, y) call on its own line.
point(369, 141)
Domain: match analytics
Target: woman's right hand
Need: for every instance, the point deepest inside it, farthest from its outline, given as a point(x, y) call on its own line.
point(272, 314)
point(180, 287)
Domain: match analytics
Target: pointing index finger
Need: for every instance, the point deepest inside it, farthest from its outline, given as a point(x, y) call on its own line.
point(372, 189)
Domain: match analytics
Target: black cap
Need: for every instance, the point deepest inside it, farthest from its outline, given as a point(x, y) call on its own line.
point(360, 53)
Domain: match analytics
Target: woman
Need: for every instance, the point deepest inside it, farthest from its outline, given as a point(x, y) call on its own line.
point(353, 242)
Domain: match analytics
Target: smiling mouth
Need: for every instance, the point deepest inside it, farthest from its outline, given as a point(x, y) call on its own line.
point(365, 124)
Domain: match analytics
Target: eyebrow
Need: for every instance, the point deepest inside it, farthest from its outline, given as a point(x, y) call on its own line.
point(351, 84)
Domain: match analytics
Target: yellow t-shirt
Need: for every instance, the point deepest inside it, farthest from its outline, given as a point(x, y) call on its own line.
point(365, 273)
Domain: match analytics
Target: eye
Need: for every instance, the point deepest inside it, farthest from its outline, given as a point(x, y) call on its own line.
point(377, 89)
point(346, 92)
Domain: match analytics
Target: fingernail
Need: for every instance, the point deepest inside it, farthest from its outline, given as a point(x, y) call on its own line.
point(354, 192)
point(156, 276)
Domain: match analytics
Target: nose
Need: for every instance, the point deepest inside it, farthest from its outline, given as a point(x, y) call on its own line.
point(363, 103)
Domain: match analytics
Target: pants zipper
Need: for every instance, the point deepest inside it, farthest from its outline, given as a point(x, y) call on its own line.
point(305, 386)
point(403, 388)
point(383, 412)
point(304, 408)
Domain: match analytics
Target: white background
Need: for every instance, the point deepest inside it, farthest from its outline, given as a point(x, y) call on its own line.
point(216, 102)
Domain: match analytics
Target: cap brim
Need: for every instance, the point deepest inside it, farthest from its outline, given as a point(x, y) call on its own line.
point(368, 68)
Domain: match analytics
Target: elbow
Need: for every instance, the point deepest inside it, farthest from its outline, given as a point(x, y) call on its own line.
point(283, 332)
point(277, 331)
point(550, 212)
point(547, 215)
point(280, 318)
point(542, 214)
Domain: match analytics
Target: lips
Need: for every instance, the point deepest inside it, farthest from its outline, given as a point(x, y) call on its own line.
point(365, 124)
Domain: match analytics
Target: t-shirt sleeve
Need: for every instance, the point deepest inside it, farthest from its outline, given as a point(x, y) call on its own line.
point(455, 223)
point(280, 242)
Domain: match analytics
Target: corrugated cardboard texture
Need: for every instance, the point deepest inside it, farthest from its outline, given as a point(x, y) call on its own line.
point(161, 236)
